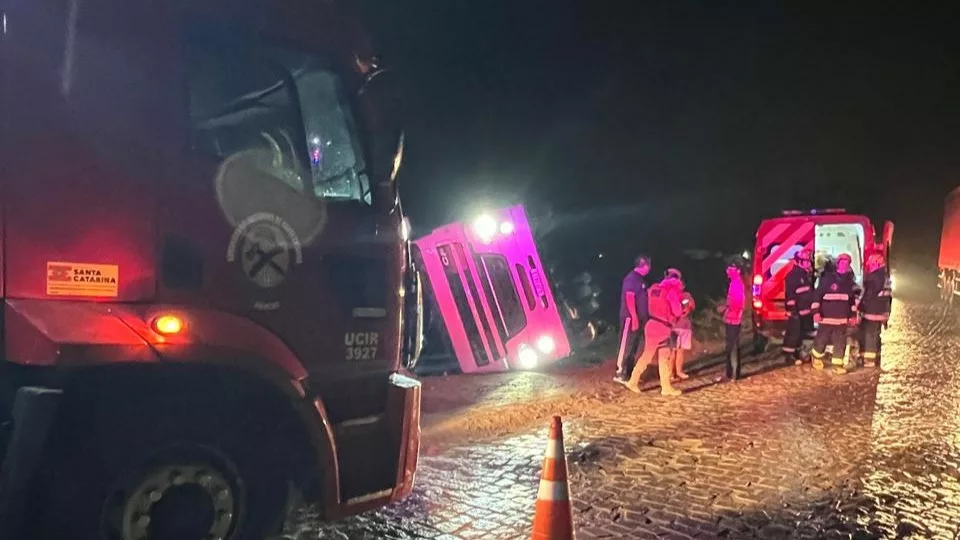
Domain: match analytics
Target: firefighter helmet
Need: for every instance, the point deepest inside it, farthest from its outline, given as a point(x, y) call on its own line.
point(802, 255)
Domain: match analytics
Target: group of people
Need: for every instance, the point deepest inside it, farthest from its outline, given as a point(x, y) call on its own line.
point(837, 305)
point(656, 326)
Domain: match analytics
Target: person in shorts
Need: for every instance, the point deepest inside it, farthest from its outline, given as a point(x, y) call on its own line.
point(682, 330)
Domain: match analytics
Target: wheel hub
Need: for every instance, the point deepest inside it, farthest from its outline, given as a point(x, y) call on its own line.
point(179, 502)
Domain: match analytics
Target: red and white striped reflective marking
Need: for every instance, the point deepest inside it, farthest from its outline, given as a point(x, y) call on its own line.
point(785, 236)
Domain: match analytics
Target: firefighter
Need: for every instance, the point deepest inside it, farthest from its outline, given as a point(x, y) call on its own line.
point(835, 310)
point(633, 315)
point(799, 294)
point(665, 309)
point(874, 308)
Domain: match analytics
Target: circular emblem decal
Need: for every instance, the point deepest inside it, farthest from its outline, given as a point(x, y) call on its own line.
point(833, 287)
point(267, 247)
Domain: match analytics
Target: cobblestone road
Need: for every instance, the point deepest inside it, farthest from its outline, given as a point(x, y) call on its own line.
point(786, 453)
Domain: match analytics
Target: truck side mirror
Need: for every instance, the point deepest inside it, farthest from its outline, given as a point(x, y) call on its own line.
point(382, 108)
point(888, 233)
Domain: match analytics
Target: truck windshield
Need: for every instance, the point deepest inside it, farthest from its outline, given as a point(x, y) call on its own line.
point(249, 94)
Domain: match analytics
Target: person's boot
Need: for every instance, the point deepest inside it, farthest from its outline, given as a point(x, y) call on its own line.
point(666, 387)
point(818, 364)
point(633, 383)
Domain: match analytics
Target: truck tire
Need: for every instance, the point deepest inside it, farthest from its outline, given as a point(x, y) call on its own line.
point(154, 479)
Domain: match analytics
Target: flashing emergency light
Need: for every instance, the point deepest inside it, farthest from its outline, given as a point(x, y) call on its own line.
point(546, 345)
point(758, 279)
point(757, 304)
point(506, 228)
point(485, 227)
point(527, 357)
point(167, 324)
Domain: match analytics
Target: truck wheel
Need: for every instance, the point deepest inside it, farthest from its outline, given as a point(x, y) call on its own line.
point(151, 482)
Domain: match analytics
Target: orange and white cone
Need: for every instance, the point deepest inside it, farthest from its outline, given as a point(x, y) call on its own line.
point(553, 519)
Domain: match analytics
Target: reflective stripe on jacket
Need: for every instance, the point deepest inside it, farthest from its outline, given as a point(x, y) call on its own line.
point(836, 296)
point(799, 291)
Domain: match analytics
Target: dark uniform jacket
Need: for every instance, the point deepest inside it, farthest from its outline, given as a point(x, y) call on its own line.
point(634, 282)
point(877, 296)
point(836, 297)
point(799, 292)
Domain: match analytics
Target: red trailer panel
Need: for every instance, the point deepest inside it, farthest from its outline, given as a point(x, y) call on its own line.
point(950, 236)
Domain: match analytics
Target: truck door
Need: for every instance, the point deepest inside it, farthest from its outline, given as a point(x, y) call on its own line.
point(280, 226)
point(832, 239)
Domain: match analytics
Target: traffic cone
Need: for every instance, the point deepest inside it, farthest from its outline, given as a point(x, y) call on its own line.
point(553, 519)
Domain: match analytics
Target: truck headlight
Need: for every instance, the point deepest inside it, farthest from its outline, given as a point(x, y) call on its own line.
point(546, 345)
point(527, 357)
point(485, 227)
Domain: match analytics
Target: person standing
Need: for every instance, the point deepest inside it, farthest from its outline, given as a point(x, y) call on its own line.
point(799, 296)
point(875, 308)
point(633, 315)
point(683, 330)
point(664, 312)
point(834, 311)
point(732, 319)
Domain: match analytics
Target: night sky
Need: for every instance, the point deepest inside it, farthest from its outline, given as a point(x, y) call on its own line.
point(634, 121)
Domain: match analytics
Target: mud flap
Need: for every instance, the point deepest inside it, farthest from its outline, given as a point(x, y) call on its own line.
point(34, 410)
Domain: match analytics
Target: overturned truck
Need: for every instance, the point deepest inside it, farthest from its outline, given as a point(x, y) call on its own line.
point(491, 304)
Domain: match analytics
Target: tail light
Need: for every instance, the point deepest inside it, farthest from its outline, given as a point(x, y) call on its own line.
point(757, 289)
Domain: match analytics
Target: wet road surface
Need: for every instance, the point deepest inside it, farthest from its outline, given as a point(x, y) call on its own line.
point(786, 453)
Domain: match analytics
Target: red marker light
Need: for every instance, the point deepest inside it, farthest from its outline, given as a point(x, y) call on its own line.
point(758, 279)
point(757, 304)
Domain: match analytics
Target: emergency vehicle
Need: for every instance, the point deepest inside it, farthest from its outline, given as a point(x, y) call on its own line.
point(825, 234)
point(490, 287)
point(204, 270)
point(948, 261)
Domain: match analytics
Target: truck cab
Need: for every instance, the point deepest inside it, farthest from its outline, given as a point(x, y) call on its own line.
point(205, 269)
point(824, 233)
